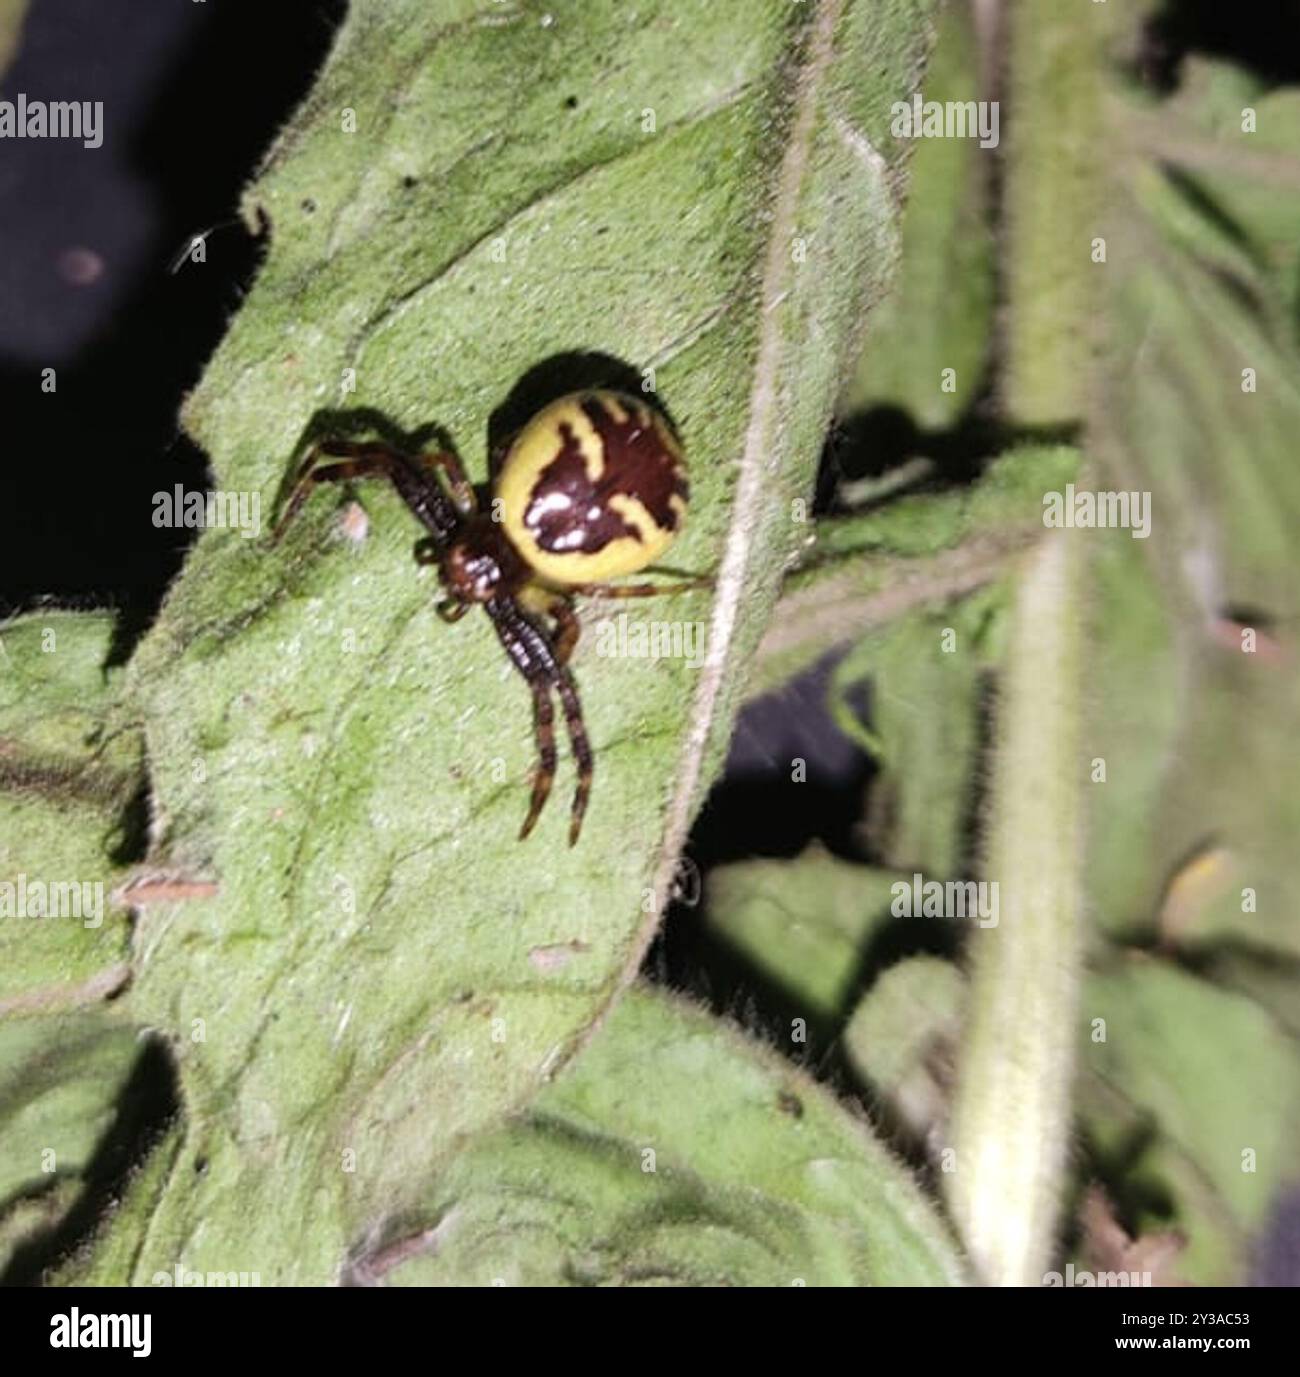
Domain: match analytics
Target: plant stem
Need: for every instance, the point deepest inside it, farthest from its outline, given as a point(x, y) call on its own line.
point(1013, 1101)
point(1012, 1109)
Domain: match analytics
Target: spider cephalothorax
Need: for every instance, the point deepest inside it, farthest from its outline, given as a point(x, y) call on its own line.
point(481, 564)
point(592, 488)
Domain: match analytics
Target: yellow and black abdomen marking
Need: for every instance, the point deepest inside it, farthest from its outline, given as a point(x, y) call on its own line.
point(593, 487)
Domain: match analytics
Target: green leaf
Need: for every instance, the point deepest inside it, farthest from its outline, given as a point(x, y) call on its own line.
point(70, 771)
point(1199, 292)
point(901, 1041)
point(805, 923)
point(1247, 181)
point(60, 1083)
point(1194, 1109)
point(384, 972)
point(871, 568)
point(940, 314)
point(1136, 681)
point(926, 676)
point(674, 1151)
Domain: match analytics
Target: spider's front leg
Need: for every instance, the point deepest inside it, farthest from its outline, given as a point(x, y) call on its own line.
point(439, 508)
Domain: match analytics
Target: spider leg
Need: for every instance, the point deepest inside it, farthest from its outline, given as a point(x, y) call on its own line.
point(546, 602)
point(535, 656)
point(567, 630)
point(544, 730)
point(418, 487)
point(452, 611)
point(581, 753)
point(637, 590)
point(453, 471)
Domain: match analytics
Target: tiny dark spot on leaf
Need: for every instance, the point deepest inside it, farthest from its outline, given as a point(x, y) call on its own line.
point(408, 181)
point(790, 1104)
point(308, 204)
point(201, 1166)
point(571, 103)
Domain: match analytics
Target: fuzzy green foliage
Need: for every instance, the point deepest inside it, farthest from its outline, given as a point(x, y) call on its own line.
point(70, 771)
point(803, 923)
point(362, 971)
point(1186, 710)
point(374, 1017)
point(939, 314)
point(676, 1151)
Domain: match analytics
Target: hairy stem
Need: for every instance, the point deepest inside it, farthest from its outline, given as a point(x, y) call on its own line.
point(1012, 1109)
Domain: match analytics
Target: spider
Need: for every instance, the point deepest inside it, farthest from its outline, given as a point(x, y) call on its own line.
point(592, 488)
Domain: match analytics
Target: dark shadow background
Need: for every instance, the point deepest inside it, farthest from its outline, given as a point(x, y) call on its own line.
point(193, 94)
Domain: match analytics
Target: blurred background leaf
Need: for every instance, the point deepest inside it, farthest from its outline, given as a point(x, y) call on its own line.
point(70, 1100)
point(939, 313)
point(11, 25)
point(1191, 695)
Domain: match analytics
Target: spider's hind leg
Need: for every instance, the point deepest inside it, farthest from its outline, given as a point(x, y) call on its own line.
point(537, 657)
point(581, 754)
point(544, 731)
point(533, 597)
point(639, 590)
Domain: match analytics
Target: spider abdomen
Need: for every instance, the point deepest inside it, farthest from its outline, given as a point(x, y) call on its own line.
point(593, 487)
